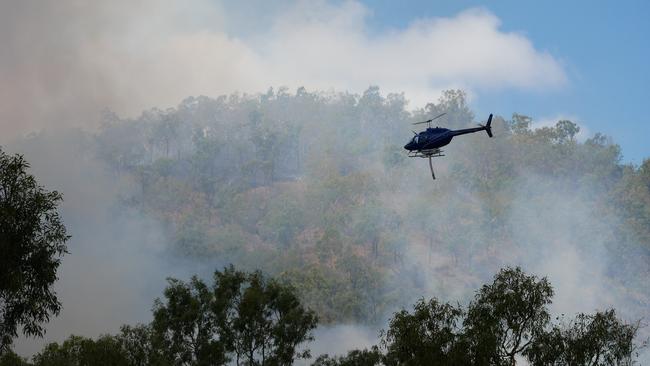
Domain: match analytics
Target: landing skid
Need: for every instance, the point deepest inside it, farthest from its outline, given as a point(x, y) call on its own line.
point(433, 153)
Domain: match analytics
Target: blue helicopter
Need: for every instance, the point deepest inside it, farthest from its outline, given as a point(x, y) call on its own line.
point(427, 143)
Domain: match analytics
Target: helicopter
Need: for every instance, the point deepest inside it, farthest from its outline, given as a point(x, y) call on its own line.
point(427, 143)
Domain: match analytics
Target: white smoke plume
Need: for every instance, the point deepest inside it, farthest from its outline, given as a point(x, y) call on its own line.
point(63, 61)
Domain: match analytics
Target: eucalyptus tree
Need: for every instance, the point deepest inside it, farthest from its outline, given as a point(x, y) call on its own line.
point(243, 318)
point(507, 316)
point(32, 242)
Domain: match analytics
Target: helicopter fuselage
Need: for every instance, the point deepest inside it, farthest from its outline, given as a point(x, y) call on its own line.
point(435, 138)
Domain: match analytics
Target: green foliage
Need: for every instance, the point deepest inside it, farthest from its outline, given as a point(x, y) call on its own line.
point(600, 339)
point(204, 163)
point(326, 291)
point(372, 357)
point(428, 336)
point(243, 317)
point(136, 343)
point(499, 325)
point(507, 316)
point(10, 358)
point(566, 131)
point(248, 319)
point(32, 242)
point(185, 325)
point(283, 220)
point(520, 124)
point(348, 289)
point(81, 351)
point(507, 321)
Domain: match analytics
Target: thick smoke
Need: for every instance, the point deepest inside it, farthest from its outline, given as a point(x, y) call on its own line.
point(115, 267)
point(557, 231)
point(63, 61)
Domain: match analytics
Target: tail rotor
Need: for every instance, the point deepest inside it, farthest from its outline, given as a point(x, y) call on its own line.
point(488, 126)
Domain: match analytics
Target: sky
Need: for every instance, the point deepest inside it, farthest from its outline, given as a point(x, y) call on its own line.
point(603, 46)
point(65, 61)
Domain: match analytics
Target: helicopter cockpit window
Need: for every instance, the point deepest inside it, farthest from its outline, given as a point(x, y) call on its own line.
point(416, 138)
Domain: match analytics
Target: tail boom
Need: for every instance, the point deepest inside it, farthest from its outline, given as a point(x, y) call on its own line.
point(487, 128)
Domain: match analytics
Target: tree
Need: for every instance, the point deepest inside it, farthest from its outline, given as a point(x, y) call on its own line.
point(372, 357)
point(203, 162)
point(81, 351)
point(589, 340)
point(566, 130)
point(265, 321)
point(136, 345)
point(32, 242)
point(507, 316)
point(12, 359)
point(185, 325)
point(429, 336)
point(119, 143)
point(259, 320)
point(520, 124)
point(508, 320)
point(166, 130)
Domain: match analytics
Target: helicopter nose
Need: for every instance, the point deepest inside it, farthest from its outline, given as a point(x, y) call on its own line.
point(409, 146)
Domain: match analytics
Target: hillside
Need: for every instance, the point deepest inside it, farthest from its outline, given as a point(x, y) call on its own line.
point(314, 187)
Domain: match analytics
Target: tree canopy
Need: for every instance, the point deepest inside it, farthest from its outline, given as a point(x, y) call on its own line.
point(243, 317)
point(507, 321)
point(32, 243)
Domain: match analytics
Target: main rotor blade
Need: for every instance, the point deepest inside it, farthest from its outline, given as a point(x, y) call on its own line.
point(438, 116)
point(429, 120)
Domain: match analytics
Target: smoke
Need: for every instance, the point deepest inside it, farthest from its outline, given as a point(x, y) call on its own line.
point(558, 231)
point(64, 61)
point(116, 265)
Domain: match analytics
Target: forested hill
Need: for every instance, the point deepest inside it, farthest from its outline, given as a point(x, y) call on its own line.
point(315, 187)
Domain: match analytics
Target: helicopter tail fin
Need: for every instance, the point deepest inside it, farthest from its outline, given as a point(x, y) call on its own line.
point(488, 126)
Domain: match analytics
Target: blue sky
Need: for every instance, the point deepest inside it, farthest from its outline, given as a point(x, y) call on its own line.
point(604, 47)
